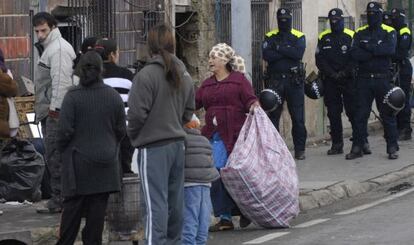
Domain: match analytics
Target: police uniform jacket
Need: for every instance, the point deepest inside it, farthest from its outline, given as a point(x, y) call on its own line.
point(333, 52)
point(401, 57)
point(283, 50)
point(372, 49)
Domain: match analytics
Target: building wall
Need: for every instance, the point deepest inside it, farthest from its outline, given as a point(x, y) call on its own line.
point(15, 35)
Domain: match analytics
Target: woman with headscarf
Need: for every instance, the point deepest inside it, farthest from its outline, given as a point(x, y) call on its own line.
point(226, 96)
point(91, 126)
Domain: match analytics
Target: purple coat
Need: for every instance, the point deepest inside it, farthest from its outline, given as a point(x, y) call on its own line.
point(229, 101)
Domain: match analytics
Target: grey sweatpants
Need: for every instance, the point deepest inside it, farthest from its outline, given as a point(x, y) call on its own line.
point(161, 170)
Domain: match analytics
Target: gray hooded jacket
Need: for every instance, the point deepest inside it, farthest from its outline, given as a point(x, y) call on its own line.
point(158, 111)
point(199, 166)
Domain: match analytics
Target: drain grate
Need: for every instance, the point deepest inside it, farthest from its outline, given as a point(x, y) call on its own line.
point(400, 187)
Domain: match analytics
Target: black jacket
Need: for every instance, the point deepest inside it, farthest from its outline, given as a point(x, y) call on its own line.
point(283, 50)
point(91, 125)
point(402, 54)
point(332, 54)
point(373, 49)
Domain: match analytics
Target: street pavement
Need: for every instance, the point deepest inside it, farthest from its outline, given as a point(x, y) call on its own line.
point(388, 223)
point(323, 180)
point(383, 216)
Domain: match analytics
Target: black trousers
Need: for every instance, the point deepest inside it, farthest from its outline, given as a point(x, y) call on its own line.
point(293, 93)
point(337, 97)
point(126, 153)
point(404, 116)
point(93, 207)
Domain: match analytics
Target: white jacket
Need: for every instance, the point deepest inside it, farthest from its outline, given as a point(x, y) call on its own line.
point(54, 74)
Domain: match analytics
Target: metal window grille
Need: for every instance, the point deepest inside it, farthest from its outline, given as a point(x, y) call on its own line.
point(323, 23)
point(127, 21)
point(90, 18)
point(151, 18)
point(260, 25)
point(295, 6)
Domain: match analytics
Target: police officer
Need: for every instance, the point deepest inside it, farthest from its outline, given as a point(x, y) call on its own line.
point(283, 51)
point(401, 58)
point(333, 61)
point(372, 49)
point(387, 18)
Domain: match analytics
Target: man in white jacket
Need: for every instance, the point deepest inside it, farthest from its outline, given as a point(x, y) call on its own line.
point(53, 78)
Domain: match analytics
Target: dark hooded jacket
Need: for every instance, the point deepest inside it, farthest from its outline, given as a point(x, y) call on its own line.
point(91, 125)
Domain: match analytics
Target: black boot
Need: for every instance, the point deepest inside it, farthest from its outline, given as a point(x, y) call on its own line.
point(366, 149)
point(356, 152)
point(392, 153)
point(300, 155)
point(336, 149)
point(404, 134)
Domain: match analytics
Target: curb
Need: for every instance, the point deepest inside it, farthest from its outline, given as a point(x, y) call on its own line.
point(309, 199)
point(372, 127)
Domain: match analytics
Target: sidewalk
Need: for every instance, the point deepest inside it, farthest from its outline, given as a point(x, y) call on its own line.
point(323, 180)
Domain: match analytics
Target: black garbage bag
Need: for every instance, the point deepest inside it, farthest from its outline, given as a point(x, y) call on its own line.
point(21, 171)
point(45, 187)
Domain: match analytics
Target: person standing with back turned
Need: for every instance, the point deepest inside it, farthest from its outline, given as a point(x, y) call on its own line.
point(161, 101)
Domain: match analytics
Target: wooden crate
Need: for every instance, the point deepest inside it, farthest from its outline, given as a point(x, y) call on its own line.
point(24, 105)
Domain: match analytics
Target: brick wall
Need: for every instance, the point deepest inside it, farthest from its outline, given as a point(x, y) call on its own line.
point(130, 21)
point(14, 35)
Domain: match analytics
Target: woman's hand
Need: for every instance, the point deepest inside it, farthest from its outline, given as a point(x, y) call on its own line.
point(253, 106)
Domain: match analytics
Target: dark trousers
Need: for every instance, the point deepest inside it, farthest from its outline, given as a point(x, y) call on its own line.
point(221, 200)
point(161, 170)
point(93, 207)
point(368, 89)
point(337, 96)
point(126, 152)
point(53, 160)
point(404, 116)
point(293, 93)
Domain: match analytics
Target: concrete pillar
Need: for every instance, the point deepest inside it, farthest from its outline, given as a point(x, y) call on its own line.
point(43, 5)
point(241, 30)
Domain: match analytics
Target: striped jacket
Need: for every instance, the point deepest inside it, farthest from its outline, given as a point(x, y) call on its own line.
point(120, 79)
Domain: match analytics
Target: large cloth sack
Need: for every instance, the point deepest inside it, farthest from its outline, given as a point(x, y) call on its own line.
point(260, 174)
point(21, 171)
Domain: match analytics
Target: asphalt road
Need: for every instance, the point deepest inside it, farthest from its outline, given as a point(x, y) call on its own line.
point(378, 218)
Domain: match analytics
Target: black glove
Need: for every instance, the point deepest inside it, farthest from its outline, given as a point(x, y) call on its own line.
point(335, 75)
point(367, 45)
point(342, 75)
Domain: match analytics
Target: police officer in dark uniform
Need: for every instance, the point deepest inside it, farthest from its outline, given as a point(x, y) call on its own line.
point(283, 51)
point(387, 18)
point(333, 60)
point(372, 49)
point(401, 58)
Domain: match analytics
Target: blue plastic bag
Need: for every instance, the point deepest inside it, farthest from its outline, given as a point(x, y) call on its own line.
point(219, 151)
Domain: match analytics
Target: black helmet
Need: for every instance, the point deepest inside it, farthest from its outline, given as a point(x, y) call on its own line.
point(270, 99)
point(394, 99)
point(314, 89)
